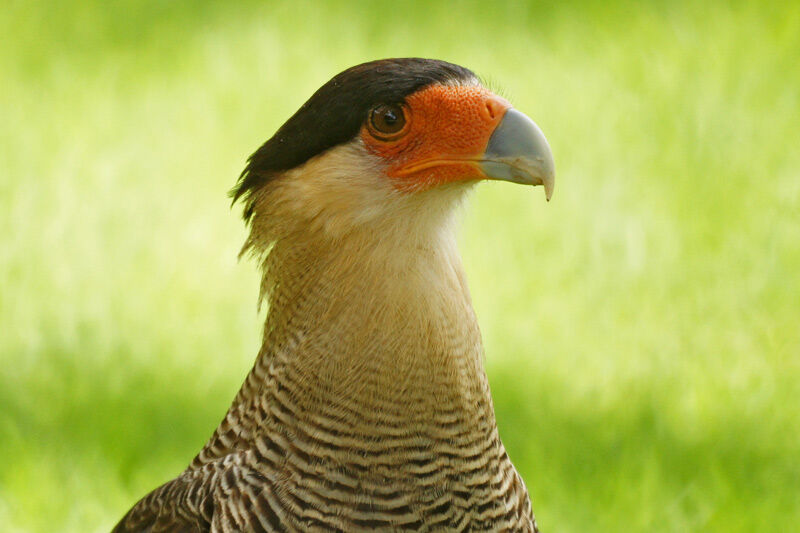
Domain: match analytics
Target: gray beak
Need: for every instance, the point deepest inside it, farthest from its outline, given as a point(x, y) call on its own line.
point(518, 152)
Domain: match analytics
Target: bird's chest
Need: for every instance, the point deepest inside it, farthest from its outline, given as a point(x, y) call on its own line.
point(414, 488)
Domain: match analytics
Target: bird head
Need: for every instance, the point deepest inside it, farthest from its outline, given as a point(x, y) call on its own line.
point(387, 145)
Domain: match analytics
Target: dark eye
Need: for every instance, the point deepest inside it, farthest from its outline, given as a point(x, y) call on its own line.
point(386, 120)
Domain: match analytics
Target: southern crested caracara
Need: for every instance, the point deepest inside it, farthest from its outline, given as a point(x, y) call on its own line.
point(368, 407)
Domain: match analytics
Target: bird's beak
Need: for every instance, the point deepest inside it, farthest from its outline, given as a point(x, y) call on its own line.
point(518, 152)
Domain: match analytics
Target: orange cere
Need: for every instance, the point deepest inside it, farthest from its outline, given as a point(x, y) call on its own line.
point(447, 131)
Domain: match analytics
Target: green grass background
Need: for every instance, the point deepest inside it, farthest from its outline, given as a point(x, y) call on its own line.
point(642, 330)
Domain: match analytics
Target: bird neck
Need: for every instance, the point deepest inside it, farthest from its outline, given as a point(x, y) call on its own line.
point(375, 323)
point(366, 333)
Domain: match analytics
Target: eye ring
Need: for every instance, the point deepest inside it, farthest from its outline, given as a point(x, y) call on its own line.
point(387, 121)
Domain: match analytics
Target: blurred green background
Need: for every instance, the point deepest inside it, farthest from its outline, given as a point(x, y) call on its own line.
point(642, 330)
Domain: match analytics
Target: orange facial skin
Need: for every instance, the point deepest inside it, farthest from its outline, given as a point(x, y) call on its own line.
point(446, 133)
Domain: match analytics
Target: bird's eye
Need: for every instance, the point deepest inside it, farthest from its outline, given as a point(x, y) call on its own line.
point(386, 121)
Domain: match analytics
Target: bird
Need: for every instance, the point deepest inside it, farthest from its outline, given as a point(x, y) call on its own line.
point(368, 407)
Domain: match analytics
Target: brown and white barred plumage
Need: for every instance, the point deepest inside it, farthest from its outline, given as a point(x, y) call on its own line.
point(368, 408)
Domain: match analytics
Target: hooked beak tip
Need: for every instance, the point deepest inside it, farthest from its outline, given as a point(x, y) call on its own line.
point(518, 152)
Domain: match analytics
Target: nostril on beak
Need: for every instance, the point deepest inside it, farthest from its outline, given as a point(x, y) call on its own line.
point(495, 108)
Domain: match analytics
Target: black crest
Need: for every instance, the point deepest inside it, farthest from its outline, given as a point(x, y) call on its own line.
point(334, 114)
